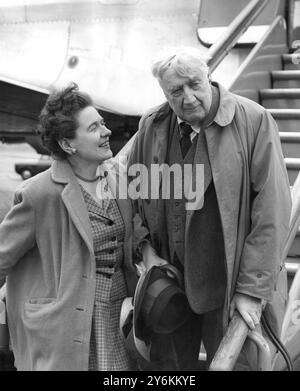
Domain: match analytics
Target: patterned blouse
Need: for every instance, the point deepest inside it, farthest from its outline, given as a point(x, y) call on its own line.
point(107, 350)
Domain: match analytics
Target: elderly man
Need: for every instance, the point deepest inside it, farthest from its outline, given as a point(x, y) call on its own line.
point(229, 249)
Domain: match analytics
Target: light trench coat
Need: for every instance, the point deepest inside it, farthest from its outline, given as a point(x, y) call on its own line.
point(46, 252)
point(253, 195)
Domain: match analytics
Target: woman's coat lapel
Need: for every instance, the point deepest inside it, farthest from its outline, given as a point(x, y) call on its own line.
point(72, 197)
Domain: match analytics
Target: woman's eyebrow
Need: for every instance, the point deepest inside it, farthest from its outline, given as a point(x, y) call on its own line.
point(93, 123)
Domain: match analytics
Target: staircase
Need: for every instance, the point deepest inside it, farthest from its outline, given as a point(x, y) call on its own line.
point(283, 102)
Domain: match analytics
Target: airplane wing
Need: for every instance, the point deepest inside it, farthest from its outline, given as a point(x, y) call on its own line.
point(19, 110)
point(105, 46)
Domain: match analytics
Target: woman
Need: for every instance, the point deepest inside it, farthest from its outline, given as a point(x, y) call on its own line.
point(66, 248)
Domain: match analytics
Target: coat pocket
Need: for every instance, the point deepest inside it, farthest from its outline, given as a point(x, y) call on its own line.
point(39, 307)
point(41, 300)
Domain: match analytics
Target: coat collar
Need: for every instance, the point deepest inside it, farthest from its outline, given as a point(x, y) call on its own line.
point(61, 172)
point(224, 115)
point(226, 108)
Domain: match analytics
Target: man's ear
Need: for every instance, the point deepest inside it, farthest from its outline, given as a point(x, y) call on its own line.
point(65, 146)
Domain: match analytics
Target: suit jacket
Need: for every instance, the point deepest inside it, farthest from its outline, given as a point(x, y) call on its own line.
point(46, 252)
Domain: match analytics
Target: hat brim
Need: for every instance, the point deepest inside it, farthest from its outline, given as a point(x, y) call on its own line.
point(141, 346)
point(129, 304)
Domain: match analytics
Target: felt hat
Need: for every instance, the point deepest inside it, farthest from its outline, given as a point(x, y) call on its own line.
point(159, 306)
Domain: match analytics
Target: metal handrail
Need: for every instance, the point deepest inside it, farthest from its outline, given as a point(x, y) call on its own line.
point(290, 25)
point(264, 358)
point(231, 345)
point(237, 27)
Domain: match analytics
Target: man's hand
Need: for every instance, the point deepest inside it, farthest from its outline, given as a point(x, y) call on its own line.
point(249, 307)
point(150, 258)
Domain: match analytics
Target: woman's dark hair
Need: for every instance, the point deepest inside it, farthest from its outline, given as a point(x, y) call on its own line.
point(57, 118)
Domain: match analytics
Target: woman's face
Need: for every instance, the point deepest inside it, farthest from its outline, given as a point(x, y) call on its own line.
point(92, 136)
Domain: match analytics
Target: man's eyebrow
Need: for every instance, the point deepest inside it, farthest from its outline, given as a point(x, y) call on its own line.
point(175, 87)
point(195, 78)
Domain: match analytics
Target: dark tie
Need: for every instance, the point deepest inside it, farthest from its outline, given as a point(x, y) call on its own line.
point(185, 141)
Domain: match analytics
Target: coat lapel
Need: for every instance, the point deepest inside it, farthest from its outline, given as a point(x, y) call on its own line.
point(227, 190)
point(164, 121)
point(117, 181)
point(72, 197)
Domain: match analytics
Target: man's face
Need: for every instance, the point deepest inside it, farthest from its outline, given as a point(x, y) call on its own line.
point(189, 97)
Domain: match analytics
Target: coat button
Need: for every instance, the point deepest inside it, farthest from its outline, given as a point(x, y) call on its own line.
point(259, 275)
point(111, 251)
point(114, 238)
point(110, 222)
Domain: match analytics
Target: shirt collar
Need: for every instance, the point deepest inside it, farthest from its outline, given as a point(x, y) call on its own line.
point(195, 128)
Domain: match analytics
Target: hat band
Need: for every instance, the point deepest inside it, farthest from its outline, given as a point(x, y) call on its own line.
point(157, 299)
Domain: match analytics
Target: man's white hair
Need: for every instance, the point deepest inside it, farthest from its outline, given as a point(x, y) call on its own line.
point(185, 61)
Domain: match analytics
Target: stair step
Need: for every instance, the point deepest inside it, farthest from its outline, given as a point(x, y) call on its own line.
point(292, 265)
point(280, 98)
point(291, 137)
point(286, 79)
point(280, 93)
point(295, 247)
point(287, 61)
point(293, 168)
point(290, 142)
point(288, 120)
